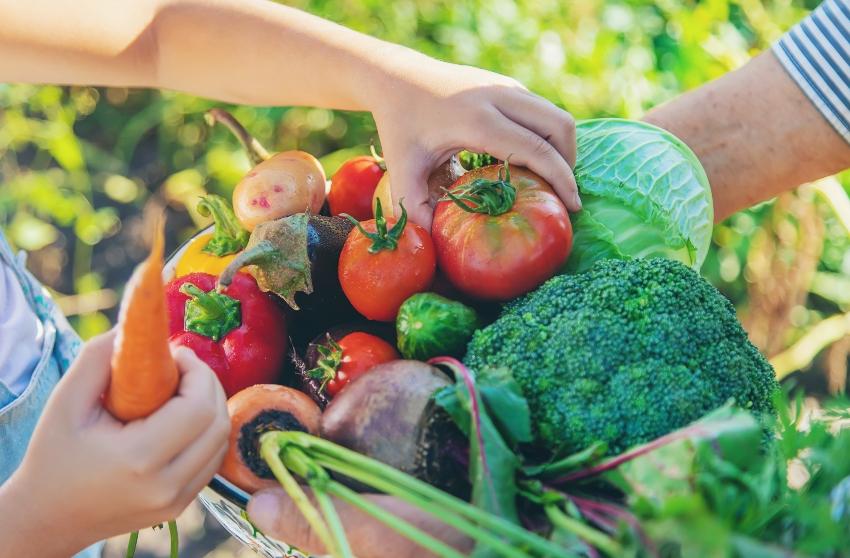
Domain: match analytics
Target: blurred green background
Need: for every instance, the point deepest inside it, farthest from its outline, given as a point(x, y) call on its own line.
point(81, 166)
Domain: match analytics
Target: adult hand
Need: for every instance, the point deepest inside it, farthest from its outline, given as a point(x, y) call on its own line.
point(87, 476)
point(276, 515)
point(428, 110)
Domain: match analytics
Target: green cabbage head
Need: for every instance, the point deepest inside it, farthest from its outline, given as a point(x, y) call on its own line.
point(643, 192)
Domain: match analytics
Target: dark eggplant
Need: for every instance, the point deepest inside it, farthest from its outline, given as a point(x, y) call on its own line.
point(296, 257)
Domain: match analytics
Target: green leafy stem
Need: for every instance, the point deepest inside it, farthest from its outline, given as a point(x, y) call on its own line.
point(312, 458)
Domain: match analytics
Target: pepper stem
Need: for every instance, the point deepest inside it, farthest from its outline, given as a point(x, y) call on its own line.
point(210, 314)
point(256, 254)
point(382, 239)
point(228, 237)
point(256, 152)
point(493, 197)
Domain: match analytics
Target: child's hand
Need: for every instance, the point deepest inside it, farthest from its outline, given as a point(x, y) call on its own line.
point(428, 110)
point(86, 476)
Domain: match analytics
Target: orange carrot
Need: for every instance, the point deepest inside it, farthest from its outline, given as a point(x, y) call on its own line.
point(144, 374)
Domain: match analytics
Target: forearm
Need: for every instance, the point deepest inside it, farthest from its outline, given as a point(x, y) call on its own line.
point(259, 52)
point(243, 51)
point(26, 529)
point(755, 133)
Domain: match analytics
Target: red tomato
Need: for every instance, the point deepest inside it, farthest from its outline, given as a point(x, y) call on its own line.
point(344, 361)
point(504, 234)
point(353, 185)
point(360, 353)
point(380, 268)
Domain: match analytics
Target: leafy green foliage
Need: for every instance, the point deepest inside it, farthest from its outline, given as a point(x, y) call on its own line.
point(734, 500)
point(644, 194)
point(624, 353)
point(504, 424)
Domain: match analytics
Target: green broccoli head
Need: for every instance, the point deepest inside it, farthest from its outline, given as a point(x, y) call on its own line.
point(623, 353)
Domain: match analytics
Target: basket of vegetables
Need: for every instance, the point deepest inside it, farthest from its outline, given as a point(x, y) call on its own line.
point(548, 384)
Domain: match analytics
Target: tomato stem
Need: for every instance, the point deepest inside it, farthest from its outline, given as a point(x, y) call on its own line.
point(228, 237)
point(256, 152)
point(328, 365)
point(493, 197)
point(382, 239)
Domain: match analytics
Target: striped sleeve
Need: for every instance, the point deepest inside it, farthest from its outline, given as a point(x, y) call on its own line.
point(816, 54)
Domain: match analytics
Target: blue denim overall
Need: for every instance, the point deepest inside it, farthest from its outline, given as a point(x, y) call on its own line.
point(19, 414)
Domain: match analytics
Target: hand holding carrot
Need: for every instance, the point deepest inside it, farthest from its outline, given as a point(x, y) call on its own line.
point(87, 476)
point(144, 375)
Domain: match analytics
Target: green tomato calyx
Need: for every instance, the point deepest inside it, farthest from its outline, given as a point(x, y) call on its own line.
point(330, 358)
point(493, 197)
point(383, 238)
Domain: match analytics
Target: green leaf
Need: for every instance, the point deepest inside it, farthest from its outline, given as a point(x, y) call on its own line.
point(644, 193)
point(567, 464)
point(495, 399)
point(746, 547)
point(506, 405)
point(653, 477)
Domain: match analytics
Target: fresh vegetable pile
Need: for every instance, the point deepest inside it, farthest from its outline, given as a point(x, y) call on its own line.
point(549, 384)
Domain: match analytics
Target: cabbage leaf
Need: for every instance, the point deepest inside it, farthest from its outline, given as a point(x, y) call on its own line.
point(644, 193)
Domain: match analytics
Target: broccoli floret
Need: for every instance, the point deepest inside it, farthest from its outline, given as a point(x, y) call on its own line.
point(623, 353)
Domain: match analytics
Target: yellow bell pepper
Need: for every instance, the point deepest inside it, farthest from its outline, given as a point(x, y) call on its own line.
point(212, 252)
point(194, 258)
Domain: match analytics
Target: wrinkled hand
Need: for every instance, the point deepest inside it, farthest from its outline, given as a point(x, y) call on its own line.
point(277, 516)
point(86, 476)
point(430, 110)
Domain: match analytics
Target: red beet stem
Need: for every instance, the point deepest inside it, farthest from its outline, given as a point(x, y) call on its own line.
point(469, 380)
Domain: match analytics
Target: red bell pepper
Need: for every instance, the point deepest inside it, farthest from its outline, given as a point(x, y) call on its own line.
point(239, 332)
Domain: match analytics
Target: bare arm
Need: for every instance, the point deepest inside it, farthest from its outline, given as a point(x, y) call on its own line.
point(756, 134)
point(242, 51)
point(259, 52)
